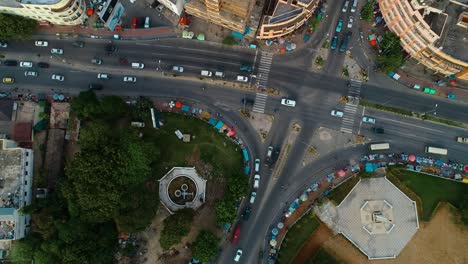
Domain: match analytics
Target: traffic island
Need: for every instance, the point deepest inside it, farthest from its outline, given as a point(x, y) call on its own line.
point(283, 156)
point(260, 122)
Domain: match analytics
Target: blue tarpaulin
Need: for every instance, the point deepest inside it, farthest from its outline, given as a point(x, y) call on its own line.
point(246, 154)
point(370, 167)
point(247, 170)
point(212, 121)
point(237, 35)
point(219, 125)
point(186, 108)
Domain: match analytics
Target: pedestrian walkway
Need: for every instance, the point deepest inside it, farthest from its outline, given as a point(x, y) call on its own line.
point(354, 92)
point(260, 103)
point(266, 58)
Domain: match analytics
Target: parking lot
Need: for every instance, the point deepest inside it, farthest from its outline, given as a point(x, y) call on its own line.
point(141, 9)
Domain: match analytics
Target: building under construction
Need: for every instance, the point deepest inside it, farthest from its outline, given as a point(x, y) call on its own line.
point(231, 14)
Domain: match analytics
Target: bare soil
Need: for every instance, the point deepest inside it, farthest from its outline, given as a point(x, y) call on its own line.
point(440, 241)
point(313, 244)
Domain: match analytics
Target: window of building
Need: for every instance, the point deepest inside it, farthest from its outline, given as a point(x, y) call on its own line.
point(25, 172)
point(27, 163)
point(25, 194)
point(24, 204)
point(27, 154)
point(25, 182)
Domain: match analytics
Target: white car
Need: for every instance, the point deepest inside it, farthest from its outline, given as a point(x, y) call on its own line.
point(129, 79)
point(242, 78)
point(252, 197)
point(178, 69)
point(56, 51)
point(26, 64)
point(257, 165)
point(369, 120)
point(288, 102)
point(256, 181)
point(57, 77)
point(238, 255)
point(41, 43)
point(103, 76)
point(30, 73)
point(3, 44)
point(337, 113)
point(350, 22)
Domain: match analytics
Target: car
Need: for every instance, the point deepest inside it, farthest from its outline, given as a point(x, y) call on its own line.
point(238, 255)
point(56, 51)
point(30, 73)
point(236, 234)
point(241, 78)
point(26, 64)
point(96, 61)
point(129, 79)
point(41, 43)
point(246, 68)
point(257, 165)
point(58, 77)
point(43, 65)
point(288, 102)
point(78, 44)
point(103, 76)
point(369, 120)
point(344, 43)
point(8, 80)
point(3, 44)
point(178, 68)
point(334, 43)
point(462, 140)
point(345, 7)
point(350, 21)
point(111, 48)
point(137, 65)
point(95, 86)
point(378, 130)
point(337, 113)
point(429, 90)
point(134, 23)
point(269, 152)
point(10, 63)
point(147, 22)
point(256, 181)
point(252, 197)
point(246, 214)
point(339, 26)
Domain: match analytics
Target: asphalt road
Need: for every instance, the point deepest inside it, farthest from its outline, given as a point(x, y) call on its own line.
point(316, 95)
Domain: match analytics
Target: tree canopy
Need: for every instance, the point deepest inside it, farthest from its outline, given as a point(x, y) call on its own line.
point(176, 227)
point(205, 246)
point(392, 53)
point(367, 12)
point(16, 27)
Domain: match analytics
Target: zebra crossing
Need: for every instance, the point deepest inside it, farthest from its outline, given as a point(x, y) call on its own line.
point(266, 58)
point(260, 103)
point(351, 107)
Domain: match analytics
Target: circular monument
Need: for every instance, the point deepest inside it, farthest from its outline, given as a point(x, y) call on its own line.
point(182, 190)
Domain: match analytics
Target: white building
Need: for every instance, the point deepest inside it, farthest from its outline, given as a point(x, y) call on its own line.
point(176, 6)
point(57, 12)
point(16, 172)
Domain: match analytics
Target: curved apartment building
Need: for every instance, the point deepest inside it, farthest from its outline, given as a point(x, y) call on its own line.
point(57, 12)
point(432, 32)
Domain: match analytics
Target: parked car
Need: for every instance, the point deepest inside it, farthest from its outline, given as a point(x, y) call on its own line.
point(256, 181)
point(257, 165)
point(178, 68)
point(238, 255)
point(242, 78)
point(129, 79)
point(252, 197)
point(95, 86)
point(41, 43)
point(26, 64)
point(134, 23)
point(269, 152)
point(96, 61)
point(429, 90)
point(236, 234)
point(339, 26)
point(104, 76)
point(246, 68)
point(57, 77)
point(30, 73)
point(10, 63)
point(350, 21)
point(344, 43)
point(246, 214)
point(147, 22)
point(9, 80)
point(111, 48)
point(462, 140)
point(56, 51)
point(369, 120)
point(337, 113)
point(378, 130)
point(3, 44)
point(43, 65)
point(78, 44)
point(334, 43)
point(288, 102)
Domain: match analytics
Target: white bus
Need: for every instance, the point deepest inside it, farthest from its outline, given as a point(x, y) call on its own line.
point(379, 146)
point(434, 150)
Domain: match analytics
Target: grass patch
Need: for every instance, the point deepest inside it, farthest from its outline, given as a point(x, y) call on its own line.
point(442, 120)
point(432, 190)
point(346, 72)
point(337, 195)
point(296, 237)
point(207, 145)
point(319, 61)
point(326, 44)
point(322, 257)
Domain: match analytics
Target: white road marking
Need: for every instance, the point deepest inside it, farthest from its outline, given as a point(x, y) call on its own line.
point(143, 44)
point(404, 123)
point(409, 135)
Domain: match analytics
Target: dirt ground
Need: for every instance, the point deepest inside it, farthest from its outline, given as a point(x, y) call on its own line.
point(313, 244)
point(262, 123)
point(439, 241)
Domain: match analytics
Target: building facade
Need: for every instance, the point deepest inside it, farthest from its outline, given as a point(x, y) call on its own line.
point(286, 17)
point(427, 42)
point(57, 12)
point(176, 6)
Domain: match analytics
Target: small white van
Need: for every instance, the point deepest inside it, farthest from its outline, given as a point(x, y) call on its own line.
point(136, 65)
point(206, 73)
point(354, 6)
point(219, 74)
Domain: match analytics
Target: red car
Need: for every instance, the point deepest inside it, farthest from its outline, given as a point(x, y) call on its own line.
point(236, 234)
point(134, 22)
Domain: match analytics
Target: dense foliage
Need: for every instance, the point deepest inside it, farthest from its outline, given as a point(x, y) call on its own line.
point(176, 227)
point(392, 53)
point(205, 246)
point(229, 40)
point(16, 27)
point(367, 12)
point(237, 188)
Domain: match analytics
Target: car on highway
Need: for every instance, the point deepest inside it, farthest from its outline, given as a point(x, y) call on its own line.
point(257, 165)
point(462, 140)
point(30, 73)
point(256, 181)
point(111, 48)
point(339, 26)
point(26, 64)
point(246, 214)
point(8, 80)
point(334, 43)
point(337, 113)
point(3, 44)
point(378, 130)
point(269, 152)
point(137, 65)
point(288, 102)
point(95, 86)
point(246, 68)
point(238, 255)
point(252, 197)
point(178, 68)
point(57, 77)
point(10, 63)
point(41, 43)
point(78, 44)
point(56, 51)
point(350, 21)
point(129, 79)
point(96, 61)
point(43, 65)
point(368, 119)
point(104, 76)
point(236, 234)
point(241, 78)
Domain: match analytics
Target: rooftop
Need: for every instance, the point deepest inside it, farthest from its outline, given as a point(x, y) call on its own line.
point(6, 109)
point(10, 169)
point(40, 2)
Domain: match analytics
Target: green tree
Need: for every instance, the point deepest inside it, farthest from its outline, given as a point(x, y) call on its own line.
point(392, 53)
point(205, 246)
point(86, 105)
point(23, 250)
point(94, 136)
point(141, 110)
point(113, 107)
point(229, 40)
point(176, 227)
point(367, 12)
point(238, 185)
point(390, 62)
point(16, 27)
point(225, 211)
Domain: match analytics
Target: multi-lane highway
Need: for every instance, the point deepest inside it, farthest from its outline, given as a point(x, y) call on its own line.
point(316, 95)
